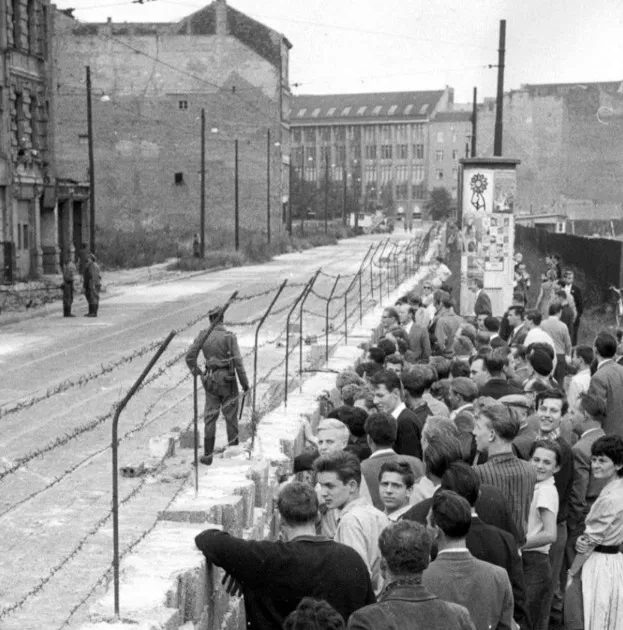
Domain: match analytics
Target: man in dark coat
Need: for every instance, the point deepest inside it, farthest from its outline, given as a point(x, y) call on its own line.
point(92, 283)
point(483, 301)
point(223, 363)
point(275, 576)
point(69, 271)
point(405, 603)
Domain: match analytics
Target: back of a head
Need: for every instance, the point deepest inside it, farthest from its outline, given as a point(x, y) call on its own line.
point(354, 418)
point(439, 427)
point(382, 429)
point(377, 355)
point(492, 324)
point(441, 365)
point(462, 479)
point(459, 369)
point(440, 453)
point(555, 308)
point(496, 361)
point(502, 423)
point(365, 395)
point(424, 372)
point(387, 346)
point(605, 344)
point(314, 614)
point(465, 387)
point(348, 377)
point(540, 360)
point(298, 504)
point(369, 369)
point(451, 513)
point(585, 353)
point(405, 547)
point(534, 316)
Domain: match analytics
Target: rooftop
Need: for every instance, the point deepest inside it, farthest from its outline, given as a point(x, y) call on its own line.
point(365, 107)
point(460, 116)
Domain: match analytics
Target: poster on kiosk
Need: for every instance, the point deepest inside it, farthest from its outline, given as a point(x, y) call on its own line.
point(488, 198)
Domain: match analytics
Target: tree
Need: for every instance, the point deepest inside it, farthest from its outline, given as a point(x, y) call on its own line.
point(439, 204)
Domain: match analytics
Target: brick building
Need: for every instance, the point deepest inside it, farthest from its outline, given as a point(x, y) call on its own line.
point(380, 142)
point(568, 138)
point(150, 82)
point(28, 227)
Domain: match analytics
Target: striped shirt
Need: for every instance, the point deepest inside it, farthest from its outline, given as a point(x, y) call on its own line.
point(516, 480)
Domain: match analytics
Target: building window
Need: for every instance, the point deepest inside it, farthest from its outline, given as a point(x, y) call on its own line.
point(297, 135)
point(401, 173)
point(439, 155)
point(183, 104)
point(401, 132)
point(179, 179)
point(402, 191)
point(325, 133)
point(418, 174)
point(392, 110)
point(341, 154)
point(454, 137)
point(455, 155)
point(408, 109)
point(361, 111)
point(455, 173)
point(370, 151)
point(377, 110)
point(301, 113)
point(346, 111)
point(440, 137)
point(401, 150)
point(418, 151)
point(325, 155)
point(386, 151)
point(368, 133)
point(370, 175)
point(386, 173)
point(310, 135)
point(385, 132)
point(340, 133)
point(316, 112)
point(330, 112)
point(417, 191)
point(83, 138)
point(297, 156)
point(310, 156)
point(418, 130)
point(438, 174)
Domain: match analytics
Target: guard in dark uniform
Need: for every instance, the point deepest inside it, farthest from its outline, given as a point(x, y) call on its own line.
point(223, 363)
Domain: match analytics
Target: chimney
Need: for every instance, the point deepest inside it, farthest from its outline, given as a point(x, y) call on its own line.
point(220, 7)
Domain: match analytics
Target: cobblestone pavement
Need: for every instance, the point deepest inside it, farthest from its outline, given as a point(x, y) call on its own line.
point(55, 458)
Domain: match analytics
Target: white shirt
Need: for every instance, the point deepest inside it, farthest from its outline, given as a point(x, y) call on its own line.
point(399, 409)
point(579, 385)
point(545, 497)
point(538, 335)
point(382, 451)
point(396, 514)
point(407, 327)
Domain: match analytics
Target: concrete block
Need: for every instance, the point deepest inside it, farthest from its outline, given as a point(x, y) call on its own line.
point(247, 491)
point(258, 472)
point(187, 439)
point(162, 446)
point(159, 618)
point(227, 511)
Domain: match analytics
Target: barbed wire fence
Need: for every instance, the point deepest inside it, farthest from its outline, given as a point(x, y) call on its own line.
point(341, 300)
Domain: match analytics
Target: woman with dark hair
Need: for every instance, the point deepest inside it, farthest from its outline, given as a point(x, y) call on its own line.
point(599, 561)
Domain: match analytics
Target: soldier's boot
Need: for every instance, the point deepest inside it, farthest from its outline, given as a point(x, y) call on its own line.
point(95, 307)
point(208, 449)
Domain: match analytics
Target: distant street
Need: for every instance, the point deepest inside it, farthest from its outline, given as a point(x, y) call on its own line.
point(56, 504)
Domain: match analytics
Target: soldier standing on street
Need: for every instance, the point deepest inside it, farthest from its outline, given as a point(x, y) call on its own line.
point(223, 363)
point(69, 270)
point(92, 283)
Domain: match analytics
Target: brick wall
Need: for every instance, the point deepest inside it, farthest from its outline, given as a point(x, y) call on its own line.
point(142, 136)
point(565, 151)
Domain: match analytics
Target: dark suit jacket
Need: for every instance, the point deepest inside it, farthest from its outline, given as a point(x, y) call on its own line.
point(483, 304)
point(498, 387)
point(564, 479)
point(517, 336)
point(606, 390)
point(419, 343)
point(494, 545)
point(409, 438)
point(371, 468)
point(585, 488)
point(491, 506)
point(576, 292)
point(481, 587)
point(410, 606)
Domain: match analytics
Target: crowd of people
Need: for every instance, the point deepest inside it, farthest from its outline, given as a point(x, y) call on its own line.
point(468, 474)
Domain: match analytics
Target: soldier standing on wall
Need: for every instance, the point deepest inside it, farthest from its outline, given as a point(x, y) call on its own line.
point(223, 363)
point(69, 270)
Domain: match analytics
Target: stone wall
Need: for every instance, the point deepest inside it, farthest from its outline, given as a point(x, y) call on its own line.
point(165, 583)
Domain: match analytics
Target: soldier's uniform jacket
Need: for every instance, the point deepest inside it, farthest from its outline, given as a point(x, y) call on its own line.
point(223, 362)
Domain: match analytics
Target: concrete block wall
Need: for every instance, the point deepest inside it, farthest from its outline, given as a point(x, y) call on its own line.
point(165, 583)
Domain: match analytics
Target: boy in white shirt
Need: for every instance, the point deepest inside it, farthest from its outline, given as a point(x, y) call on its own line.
point(546, 458)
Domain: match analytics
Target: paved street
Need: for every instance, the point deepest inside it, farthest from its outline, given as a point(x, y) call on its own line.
point(54, 455)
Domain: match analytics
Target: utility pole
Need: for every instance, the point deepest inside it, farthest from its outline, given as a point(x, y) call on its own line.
point(499, 106)
point(236, 211)
point(290, 197)
point(326, 192)
point(344, 190)
point(91, 165)
point(474, 121)
point(268, 186)
point(202, 220)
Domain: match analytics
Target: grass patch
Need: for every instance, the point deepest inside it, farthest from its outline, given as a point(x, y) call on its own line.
point(117, 249)
point(597, 315)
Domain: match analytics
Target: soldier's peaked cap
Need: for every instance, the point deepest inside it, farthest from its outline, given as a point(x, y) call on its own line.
point(214, 311)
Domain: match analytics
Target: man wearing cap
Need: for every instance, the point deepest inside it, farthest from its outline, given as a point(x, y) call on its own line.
point(463, 393)
point(223, 363)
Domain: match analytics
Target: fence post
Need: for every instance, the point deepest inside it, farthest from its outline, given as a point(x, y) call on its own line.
point(359, 274)
point(311, 286)
point(115, 464)
point(326, 319)
point(304, 292)
point(257, 332)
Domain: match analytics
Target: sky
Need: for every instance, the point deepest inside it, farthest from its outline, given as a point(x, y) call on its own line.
point(402, 45)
